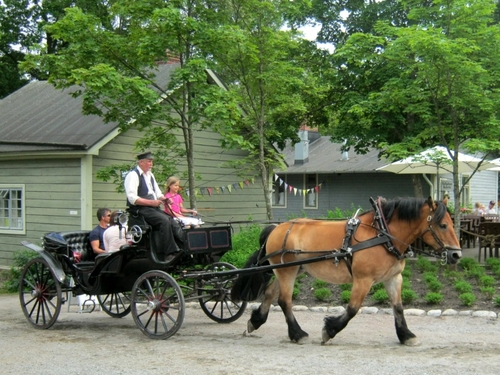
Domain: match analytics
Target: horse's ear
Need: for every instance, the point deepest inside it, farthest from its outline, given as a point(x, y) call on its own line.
point(430, 203)
point(445, 200)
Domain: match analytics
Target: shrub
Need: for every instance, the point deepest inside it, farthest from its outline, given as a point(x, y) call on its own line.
point(406, 284)
point(429, 277)
point(487, 281)
point(434, 286)
point(406, 273)
point(476, 272)
point(468, 263)
point(380, 296)
point(322, 294)
point(496, 301)
point(295, 293)
point(377, 287)
point(488, 290)
point(493, 262)
point(20, 259)
point(345, 286)
point(425, 265)
point(319, 284)
point(345, 296)
point(463, 286)
point(245, 243)
point(467, 298)
point(408, 296)
point(433, 298)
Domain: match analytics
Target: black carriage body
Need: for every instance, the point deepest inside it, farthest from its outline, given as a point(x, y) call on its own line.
point(118, 271)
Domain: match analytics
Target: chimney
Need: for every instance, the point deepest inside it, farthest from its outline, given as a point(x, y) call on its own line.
point(302, 148)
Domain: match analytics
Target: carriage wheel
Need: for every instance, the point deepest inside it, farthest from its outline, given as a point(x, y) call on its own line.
point(215, 295)
point(116, 305)
point(40, 294)
point(157, 305)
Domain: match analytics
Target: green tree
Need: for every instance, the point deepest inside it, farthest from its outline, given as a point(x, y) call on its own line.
point(243, 40)
point(268, 83)
point(22, 25)
point(433, 81)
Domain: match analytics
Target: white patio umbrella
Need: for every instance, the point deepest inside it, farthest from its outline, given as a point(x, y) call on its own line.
point(436, 160)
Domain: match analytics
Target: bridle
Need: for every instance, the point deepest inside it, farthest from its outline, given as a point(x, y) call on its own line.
point(442, 251)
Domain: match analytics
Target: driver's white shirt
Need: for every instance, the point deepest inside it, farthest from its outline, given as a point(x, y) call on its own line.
point(132, 183)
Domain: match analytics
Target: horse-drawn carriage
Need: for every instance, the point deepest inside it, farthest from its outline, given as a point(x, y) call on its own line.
point(363, 251)
point(134, 279)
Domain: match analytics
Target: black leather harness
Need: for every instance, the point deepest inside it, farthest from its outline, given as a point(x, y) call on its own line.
point(347, 249)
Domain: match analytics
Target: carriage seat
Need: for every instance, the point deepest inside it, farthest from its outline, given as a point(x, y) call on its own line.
point(70, 242)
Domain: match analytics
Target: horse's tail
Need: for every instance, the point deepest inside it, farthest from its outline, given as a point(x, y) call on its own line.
point(250, 287)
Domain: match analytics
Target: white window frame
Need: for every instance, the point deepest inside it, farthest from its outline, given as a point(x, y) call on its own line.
point(10, 214)
point(275, 184)
point(306, 195)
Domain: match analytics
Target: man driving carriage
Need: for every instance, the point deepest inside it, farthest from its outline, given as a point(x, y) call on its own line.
point(144, 197)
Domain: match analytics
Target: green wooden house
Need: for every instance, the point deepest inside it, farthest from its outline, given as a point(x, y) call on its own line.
point(50, 153)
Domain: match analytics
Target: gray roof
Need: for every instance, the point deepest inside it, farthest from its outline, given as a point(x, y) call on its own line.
point(37, 117)
point(325, 157)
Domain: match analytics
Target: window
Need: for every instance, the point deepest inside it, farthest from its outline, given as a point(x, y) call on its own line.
point(12, 209)
point(310, 191)
point(278, 198)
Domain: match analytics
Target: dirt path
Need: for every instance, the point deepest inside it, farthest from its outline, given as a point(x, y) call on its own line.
point(96, 343)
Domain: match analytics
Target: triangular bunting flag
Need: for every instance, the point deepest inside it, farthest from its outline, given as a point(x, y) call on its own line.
point(241, 184)
point(228, 188)
point(209, 191)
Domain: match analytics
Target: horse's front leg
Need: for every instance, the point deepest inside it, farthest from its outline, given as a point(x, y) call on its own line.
point(335, 324)
point(260, 315)
point(393, 288)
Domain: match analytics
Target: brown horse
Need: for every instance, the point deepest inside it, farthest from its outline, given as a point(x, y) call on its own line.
point(363, 251)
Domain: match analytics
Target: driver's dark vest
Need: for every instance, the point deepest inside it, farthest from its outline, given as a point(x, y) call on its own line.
point(142, 189)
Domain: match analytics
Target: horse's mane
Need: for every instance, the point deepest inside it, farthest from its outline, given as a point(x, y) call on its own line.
point(408, 209)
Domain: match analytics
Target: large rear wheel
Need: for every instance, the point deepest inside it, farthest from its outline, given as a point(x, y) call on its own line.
point(157, 305)
point(116, 305)
point(215, 295)
point(40, 294)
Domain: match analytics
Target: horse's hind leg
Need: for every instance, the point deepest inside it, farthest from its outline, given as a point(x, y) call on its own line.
point(287, 279)
point(260, 315)
point(335, 324)
point(393, 288)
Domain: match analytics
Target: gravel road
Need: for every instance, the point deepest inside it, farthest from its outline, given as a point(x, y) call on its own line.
point(96, 343)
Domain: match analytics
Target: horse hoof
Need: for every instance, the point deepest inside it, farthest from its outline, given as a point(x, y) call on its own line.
point(303, 340)
point(250, 327)
point(412, 342)
point(325, 337)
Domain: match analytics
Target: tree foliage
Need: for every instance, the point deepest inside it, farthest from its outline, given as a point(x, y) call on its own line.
point(404, 86)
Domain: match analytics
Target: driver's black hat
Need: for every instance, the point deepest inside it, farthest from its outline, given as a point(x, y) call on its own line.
point(145, 155)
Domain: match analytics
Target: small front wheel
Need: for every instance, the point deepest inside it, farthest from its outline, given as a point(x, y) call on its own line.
point(116, 305)
point(40, 294)
point(157, 305)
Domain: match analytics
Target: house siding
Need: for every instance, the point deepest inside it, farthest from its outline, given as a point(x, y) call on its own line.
point(484, 187)
point(209, 157)
point(52, 199)
point(345, 191)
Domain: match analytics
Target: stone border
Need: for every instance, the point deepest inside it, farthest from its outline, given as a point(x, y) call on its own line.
point(370, 310)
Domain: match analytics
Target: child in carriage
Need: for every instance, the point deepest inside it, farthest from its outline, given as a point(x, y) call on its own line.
point(174, 207)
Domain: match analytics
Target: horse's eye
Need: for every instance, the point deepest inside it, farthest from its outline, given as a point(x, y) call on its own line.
point(443, 226)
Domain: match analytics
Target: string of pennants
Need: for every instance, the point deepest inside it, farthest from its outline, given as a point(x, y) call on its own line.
point(295, 190)
point(222, 189)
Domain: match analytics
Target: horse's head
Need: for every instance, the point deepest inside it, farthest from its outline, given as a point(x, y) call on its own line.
point(440, 232)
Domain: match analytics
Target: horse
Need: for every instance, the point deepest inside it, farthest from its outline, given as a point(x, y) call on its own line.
point(364, 250)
